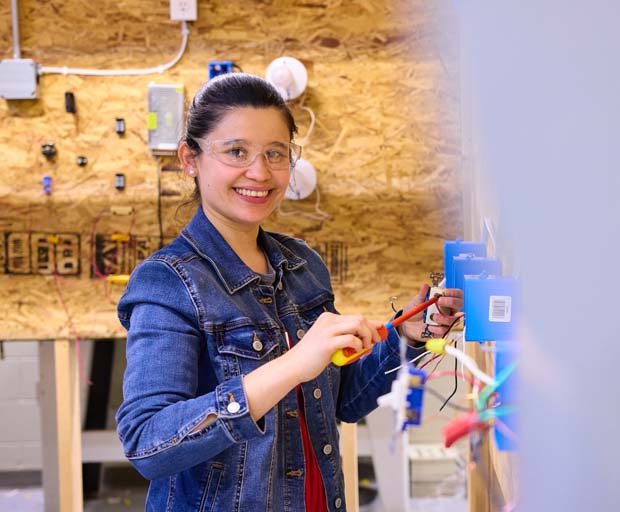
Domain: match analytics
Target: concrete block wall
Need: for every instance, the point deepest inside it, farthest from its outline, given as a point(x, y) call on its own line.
point(20, 415)
point(20, 421)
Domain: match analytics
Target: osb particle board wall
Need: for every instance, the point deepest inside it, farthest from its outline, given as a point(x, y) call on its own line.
point(383, 84)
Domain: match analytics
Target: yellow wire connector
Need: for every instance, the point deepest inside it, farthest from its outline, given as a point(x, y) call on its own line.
point(121, 237)
point(118, 278)
point(436, 345)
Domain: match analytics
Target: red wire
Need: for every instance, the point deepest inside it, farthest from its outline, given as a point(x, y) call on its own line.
point(430, 361)
point(93, 260)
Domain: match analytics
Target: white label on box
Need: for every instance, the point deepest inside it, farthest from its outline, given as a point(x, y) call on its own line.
point(500, 308)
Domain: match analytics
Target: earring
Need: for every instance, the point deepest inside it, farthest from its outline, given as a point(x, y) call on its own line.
point(191, 172)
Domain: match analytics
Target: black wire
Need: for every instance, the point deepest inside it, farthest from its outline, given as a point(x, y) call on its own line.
point(392, 299)
point(237, 66)
point(441, 397)
point(456, 385)
point(456, 380)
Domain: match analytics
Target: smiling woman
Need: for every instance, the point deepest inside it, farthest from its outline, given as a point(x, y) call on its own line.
point(238, 191)
point(230, 402)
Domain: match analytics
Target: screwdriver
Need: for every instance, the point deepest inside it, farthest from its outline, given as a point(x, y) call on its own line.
point(348, 355)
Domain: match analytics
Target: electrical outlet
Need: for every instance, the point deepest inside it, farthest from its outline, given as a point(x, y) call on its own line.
point(183, 10)
point(432, 309)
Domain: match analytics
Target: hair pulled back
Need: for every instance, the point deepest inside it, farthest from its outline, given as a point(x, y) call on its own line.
point(225, 92)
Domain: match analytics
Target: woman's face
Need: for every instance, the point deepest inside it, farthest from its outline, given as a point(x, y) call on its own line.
point(243, 197)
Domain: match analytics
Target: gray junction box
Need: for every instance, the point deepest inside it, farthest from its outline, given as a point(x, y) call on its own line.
point(19, 79)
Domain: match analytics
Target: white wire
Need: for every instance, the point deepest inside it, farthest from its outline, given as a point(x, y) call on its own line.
point(317, 215)
point(121, 72)
point(410, 362)
point(17, 52)
point(470, 364)
point(488, 229)
point(311, 127)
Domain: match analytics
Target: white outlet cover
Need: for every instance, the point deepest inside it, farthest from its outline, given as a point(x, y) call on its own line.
point(183, 10)
point(302, 181)
point(289, 76)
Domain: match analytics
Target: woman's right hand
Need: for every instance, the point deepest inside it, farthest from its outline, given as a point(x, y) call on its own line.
point(329, 333)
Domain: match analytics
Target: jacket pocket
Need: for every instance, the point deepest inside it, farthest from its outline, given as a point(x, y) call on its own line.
point(243, 349)
point(209, 495)
point(320, 305)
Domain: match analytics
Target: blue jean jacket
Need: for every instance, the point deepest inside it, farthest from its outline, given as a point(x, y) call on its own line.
point(198, 319)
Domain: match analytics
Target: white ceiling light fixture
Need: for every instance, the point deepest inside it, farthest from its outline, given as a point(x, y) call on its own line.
point(289, 76)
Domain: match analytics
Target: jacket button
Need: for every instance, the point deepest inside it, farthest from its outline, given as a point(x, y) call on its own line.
point(338, 502)
point(257, 345)
point(300, 333)
point(280, 286)
point(233, 407)
point(327, 449)
point(317, 393)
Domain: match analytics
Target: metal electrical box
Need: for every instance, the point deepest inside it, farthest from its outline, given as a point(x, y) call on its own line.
point(165, 117)
point(19, 79)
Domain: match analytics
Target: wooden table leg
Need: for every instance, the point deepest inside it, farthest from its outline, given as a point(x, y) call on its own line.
point(348, 434)
point(60, 426)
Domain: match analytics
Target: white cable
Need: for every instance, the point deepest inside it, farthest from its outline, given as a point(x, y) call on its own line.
point(318, 215)
point(410, 362)
point(490, 231)
point(15, 21)
point(122, 72)
point(305, 138)
point(470, 364)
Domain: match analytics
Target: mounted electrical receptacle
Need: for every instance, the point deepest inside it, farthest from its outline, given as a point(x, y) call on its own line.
point(183, 10)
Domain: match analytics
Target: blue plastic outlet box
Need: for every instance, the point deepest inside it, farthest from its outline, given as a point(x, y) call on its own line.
point(453, 248)
point(470, 265)
point(415, 397)
point(491, 308)
point(219, 67)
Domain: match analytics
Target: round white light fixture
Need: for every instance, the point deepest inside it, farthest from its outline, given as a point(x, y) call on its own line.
point(289, 76)
point(302, 182)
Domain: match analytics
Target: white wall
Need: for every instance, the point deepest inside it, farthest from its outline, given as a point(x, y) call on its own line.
point(545, 110)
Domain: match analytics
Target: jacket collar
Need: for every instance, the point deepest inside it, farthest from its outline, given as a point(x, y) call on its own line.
point(235, 274)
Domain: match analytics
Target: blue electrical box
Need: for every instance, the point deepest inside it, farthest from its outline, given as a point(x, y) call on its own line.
point(470, 265)
point(506, 354)
point(415, 397)
point(47, 184)
point(453, 248)
point(491, 307)
point(219, 67)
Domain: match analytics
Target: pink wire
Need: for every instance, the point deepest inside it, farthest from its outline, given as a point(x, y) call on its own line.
point(72, 331)
point(505, 430)
point(445, 373)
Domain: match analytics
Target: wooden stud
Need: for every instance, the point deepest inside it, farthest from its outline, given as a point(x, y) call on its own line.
point(348, 436)
point(60, 426)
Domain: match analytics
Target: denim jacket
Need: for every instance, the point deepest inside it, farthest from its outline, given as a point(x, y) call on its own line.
point(198, 319)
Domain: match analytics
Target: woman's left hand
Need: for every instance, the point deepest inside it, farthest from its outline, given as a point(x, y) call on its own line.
point(449, 306)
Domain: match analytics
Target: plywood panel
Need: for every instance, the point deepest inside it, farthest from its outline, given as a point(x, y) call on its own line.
point(382, 83)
